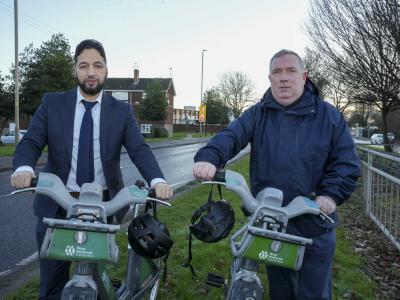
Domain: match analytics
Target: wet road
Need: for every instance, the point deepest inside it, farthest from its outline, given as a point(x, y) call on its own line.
point(17, 222)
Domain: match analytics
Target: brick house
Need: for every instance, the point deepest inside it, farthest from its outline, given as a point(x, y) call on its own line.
point(132, 91)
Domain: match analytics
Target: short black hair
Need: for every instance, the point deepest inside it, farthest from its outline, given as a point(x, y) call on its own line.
point(89, 44)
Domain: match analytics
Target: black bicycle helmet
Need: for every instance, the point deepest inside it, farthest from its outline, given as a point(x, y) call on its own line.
point(216, 221)
point(210, 223)
point(149, 237)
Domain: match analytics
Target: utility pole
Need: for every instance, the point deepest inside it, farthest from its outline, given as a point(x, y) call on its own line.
point(16, 73)
point(201, 89)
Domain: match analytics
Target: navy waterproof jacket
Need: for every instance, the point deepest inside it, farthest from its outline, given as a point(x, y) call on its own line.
point(304, 149)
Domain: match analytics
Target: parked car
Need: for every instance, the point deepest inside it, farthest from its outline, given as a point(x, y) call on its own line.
point(9, 138)
point(377, 138)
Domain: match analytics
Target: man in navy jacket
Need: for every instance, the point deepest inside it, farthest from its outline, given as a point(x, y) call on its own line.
point(301, 145)
point(58, 123)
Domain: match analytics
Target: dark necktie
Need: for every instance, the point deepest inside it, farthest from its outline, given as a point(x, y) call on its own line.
point(85, 164)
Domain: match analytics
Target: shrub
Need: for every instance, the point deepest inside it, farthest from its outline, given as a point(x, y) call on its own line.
point(160, 132)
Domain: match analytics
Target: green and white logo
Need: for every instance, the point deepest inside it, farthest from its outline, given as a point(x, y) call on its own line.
point(70, 250)
point(276, 246)
point(263, 255)
point(80, 237)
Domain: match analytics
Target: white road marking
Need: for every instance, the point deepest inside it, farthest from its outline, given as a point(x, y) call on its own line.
point(28, 260)
point(5, 273)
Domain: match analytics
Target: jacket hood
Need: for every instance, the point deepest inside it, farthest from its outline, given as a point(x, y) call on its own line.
point(304, 105)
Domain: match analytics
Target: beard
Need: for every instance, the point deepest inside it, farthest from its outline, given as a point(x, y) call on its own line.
point(91, 90)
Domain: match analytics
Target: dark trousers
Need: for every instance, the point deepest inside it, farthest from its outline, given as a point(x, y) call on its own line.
point(54, 274)
point(313, 280)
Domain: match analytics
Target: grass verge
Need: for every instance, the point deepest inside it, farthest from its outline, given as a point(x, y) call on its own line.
point(7, 150)
point(177, 136)
point(349, 280)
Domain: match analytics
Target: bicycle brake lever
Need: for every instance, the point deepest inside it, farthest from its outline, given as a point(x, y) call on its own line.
point(325, 216)
point(159, 201)
point(22, 191)
point(32, 188)
point(213, 182)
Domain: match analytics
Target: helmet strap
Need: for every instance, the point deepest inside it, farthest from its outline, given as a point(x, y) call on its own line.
point(164, 275)
point(196, 215)
point(188, 264)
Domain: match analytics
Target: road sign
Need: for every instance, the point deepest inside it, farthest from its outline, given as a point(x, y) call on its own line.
point(202, 113)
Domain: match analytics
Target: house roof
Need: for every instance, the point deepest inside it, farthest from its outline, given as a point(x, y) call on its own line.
point(126, 84)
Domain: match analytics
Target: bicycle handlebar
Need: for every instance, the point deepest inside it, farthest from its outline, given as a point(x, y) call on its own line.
point(236, 183)
point(51, 185)
point(269, 199)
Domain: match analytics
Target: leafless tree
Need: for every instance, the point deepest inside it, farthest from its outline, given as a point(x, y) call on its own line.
point(387, 16)
point(353, 36)
point(317, 71)
point(331, 88)
point(338, 94)
point(236, 90)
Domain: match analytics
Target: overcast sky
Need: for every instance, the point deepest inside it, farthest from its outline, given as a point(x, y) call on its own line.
point(158, 35)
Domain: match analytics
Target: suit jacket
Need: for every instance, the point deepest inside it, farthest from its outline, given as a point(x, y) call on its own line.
point(53, 125)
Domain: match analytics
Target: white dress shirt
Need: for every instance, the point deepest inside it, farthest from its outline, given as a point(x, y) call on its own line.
point(98, 167)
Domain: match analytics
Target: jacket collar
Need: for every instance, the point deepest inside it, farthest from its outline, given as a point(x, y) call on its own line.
point(106, 119)
point(305, 105)
point(67, 115)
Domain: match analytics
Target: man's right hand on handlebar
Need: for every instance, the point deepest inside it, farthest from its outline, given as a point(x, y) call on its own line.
point(204, 170)
point(22, 179)
point(163, 191)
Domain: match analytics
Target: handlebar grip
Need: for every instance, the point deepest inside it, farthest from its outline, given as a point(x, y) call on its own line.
point(152, 193)
point(219, 176)
point(140, 183)
point(34, 182)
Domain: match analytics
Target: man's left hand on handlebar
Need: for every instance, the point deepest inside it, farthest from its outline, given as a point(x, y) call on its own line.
point(22, 179)
point(326, 204)
point(163, 191)
point(204, 170)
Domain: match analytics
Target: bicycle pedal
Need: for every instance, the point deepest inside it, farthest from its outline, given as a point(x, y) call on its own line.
point(215, 280)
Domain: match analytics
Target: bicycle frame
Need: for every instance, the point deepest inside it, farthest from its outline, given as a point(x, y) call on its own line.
point(142, 274)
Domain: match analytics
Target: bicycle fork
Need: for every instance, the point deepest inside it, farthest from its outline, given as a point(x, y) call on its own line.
point(244, 283)
point(82, 283)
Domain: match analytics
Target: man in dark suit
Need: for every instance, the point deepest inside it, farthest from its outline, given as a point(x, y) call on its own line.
point(84, 130)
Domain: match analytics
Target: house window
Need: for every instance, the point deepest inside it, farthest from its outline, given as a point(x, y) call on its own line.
point(123, 96)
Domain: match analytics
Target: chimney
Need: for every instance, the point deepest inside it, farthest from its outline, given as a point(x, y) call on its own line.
point(135, 74)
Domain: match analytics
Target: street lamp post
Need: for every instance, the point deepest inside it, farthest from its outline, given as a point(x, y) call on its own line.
point(16, 131)
point(201, 89)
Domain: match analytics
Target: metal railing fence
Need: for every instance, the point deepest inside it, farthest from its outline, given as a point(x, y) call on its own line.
point(381, 191)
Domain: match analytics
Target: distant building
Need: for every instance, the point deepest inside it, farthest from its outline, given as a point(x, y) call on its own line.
point(132, 91)
point(187, 115)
